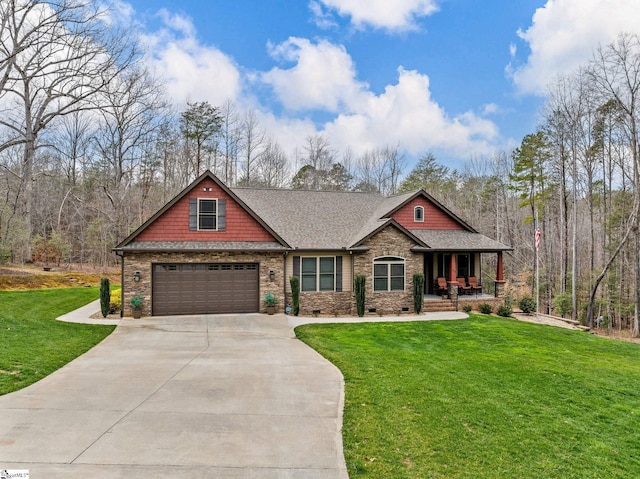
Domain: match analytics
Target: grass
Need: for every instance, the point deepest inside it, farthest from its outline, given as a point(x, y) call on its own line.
point(34, 344)
point(484, 398)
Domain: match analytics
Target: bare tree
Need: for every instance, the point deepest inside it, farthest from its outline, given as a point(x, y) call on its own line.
point(55, 56)
point(131, 115)
point(272, 166)
point(615, 72)
point(230, 142)
point(252, 141)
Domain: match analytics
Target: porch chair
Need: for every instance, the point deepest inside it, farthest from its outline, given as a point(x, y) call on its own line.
point(475, 287)
point(463, 288)
point(443, 288)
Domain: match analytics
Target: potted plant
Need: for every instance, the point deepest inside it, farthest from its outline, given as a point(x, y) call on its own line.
point(270, 302)
point(136, 305)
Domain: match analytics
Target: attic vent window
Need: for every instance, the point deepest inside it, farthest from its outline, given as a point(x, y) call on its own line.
point(418, 214)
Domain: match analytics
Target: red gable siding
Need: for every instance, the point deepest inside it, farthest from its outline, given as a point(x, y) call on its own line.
point(173, 224)
point(434, 217)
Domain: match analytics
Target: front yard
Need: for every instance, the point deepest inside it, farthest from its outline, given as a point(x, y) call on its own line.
point(484, 398)
point(34, 344)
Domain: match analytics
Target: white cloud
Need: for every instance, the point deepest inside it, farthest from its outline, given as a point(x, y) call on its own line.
point(564, 34)
point(318, 77)
point(397, 15)
point(192, 71)
point(406, 114)
point(323, 77)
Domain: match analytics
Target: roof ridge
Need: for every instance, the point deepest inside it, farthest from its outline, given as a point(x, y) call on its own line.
point(261, 188)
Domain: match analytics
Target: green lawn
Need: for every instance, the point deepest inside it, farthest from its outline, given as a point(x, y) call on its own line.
point(34, 344)
point(484, 398)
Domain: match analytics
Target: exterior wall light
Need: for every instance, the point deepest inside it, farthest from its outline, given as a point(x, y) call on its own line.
point(136, 276)
point(272, 275)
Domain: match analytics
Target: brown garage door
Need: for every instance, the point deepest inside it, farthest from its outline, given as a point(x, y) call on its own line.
point(205, 288)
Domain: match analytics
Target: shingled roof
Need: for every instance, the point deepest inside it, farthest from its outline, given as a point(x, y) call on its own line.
point(319, 220)
point(314, 220)
point(331, 220)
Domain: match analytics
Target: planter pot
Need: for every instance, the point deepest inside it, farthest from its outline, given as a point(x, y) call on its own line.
point(271, 309)
point(137, 314)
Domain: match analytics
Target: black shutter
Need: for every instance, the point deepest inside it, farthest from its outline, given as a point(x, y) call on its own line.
point(338, 273)
point(193, 214)
point(222, 215)
point(296, 266)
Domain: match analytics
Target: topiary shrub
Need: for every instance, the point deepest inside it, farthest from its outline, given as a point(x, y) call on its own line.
point(485, 308)
point(467, 308)
point(359, 286)
point(294, 281)
point(504, 310)
point(115, 301)
point(105, 296)
point(418, 292)
point(527, 304)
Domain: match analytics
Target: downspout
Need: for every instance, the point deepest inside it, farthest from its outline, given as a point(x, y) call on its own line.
point(121, 282)
point(284, 279)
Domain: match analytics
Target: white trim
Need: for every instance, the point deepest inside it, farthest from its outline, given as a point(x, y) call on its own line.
point(392, 260)
point(214, 215)
point(415, 209)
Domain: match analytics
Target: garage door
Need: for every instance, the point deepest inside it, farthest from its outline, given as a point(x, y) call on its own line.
point(205, 288)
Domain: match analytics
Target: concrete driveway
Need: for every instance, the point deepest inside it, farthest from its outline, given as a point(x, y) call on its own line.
point(225, 396)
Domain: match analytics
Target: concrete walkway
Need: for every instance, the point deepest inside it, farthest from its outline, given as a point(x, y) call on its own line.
point(225, 396)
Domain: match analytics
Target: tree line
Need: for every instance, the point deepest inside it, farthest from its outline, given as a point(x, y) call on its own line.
point(90, 148)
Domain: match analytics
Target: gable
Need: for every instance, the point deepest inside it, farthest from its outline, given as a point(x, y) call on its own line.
point(434, 217)
point(173, 224)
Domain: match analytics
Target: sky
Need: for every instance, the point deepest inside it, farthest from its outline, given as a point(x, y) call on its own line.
point(461, 79)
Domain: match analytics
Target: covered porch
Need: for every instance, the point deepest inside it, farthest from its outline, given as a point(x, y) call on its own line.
point(449, 275)
point(455, 264)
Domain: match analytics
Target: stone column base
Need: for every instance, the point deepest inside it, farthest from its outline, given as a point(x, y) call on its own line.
point(499, 289)
point(453, 291)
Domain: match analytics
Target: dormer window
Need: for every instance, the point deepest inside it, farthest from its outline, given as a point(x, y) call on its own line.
point(418, 214)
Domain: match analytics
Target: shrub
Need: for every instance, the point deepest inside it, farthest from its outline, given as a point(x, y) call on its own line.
point(270, 299)
point(527, 304)
point(466, 308)
point(295, 294)
point(418, 292)
point(562, 304)
point(504, 310)
point(359, 285)
point(105, 296)
point(136, 301)
point(485, 308)
point(115, 301)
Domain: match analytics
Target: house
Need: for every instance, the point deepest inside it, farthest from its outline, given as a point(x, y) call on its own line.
point(215, 249)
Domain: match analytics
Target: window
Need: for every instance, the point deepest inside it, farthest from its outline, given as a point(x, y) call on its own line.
point(207, 214)
point(318, 273)
point(388, 274)
point(418, 214)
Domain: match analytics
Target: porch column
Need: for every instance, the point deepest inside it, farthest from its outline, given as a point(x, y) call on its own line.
point(452, 282)
point(499, 277)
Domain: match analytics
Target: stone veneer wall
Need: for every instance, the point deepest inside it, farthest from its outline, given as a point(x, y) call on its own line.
point(389, 242)
point(341, 303)
point(142, 262)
